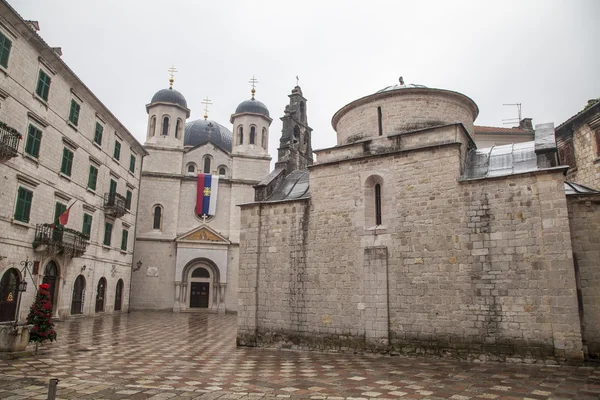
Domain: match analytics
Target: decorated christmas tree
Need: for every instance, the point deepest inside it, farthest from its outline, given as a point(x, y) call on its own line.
point(40, 316)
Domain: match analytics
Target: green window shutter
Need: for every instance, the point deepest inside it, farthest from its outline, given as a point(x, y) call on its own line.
point(128, 200)
point(67, 162)
point(112, 188)
point(98, 134)
point(132, 163)
point(93, 177)
point(87, 225)
point(43, 85)
point(117, 153)
point(59, 208)
point(5, 46)
point(34, 139)
point(107, 233)
point(74, 112)
point(23, 208)
point(124, 240)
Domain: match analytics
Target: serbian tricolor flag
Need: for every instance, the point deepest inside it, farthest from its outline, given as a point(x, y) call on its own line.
point(206, 198)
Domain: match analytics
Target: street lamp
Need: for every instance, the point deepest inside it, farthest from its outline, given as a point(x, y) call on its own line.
point(23, 284)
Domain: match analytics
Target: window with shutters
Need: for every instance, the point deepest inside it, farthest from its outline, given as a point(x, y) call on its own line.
point(112, 188)
point(98, 133)
point(23, 208)
point(87, 225)
point(43, 85)
point(117, 152)
point(128, 197)
point(132, 163)
point(59, 209)
point(67, 162)
point(74, 112)
point(34, 140)
point(92, 178)
point(124, 239)
point(5, 45)
point(107, 233)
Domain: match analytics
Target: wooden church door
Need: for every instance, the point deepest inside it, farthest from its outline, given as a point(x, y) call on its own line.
point(199, 295)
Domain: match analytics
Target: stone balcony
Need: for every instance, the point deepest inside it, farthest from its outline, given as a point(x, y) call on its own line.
point(59, 240)
point(114, 205)
point(9, 142)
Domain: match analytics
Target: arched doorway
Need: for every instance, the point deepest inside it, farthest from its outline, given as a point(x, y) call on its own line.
point(51, 278)
point(119, 295)
point(100, 295)
point(200, 295)
point(9, 292)
point(78, 295)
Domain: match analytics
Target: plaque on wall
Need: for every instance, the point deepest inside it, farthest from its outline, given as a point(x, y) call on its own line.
point(152, 272)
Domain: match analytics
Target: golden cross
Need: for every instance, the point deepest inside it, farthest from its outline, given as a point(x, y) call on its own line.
point(207, 191)
point(172, 71)
point(253, 81)
point(206, 102)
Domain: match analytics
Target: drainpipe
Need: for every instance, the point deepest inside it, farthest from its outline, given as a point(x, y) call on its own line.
point(137, 207)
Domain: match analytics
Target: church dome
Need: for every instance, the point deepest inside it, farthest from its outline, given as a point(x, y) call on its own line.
point(401, 86)
point(169, 95)
point(203, 131)
point(252, 106)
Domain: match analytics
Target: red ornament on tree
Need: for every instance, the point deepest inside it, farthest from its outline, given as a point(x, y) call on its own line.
point(40, 316)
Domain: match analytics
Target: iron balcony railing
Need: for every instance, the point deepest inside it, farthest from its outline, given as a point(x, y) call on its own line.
point(60, 239)
point(114, 204)
point(9, 142)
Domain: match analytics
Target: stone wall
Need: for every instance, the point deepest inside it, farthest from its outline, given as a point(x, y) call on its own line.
point(584, 214)
point(587, 158)
point(462, 268)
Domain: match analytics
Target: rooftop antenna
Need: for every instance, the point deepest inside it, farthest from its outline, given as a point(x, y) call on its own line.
point(510, 121)
point(206, 102)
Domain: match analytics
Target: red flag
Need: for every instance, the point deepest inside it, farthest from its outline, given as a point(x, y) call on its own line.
point(64, 217)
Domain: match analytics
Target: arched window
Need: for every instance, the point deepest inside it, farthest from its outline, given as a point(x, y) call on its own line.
point(296, 139)
point(100, 295)
point(378, 204)
point(200, 273)
point(119, 295)
point(222, 171)
point(78, 293)
point(207, 165)
point(264, 138)
point(191, 168)
point(252, 134)
point(241, 134)
point(177, 127)
point(157, 217)
point(9, 292)
point(152, 126)
point(165, 130)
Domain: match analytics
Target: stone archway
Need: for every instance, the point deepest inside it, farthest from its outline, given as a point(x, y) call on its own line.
point(9, 293)
point(200, 287)
point(52, 278)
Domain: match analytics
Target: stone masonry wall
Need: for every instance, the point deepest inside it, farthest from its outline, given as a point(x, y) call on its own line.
point(587, 158)
point(584, 214)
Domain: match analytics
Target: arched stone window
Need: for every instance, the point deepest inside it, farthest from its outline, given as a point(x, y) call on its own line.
point(377, 204)
point(222, 171)
point(157, 222)
point(165, 127)
point(200, 273)
point(177, 128)
point(264, 138)
point(240, 135)
point(9, 293)
point(153, 126)
point(78, 295)
point(374, 202)
point(252, 134)
point(100, 295)
point(207, 165)
point(191, 168)
point(119, 295)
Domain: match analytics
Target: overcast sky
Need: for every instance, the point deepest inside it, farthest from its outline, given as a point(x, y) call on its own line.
point(543, 54)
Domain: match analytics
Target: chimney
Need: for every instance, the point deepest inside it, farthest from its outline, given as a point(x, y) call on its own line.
point(545, 145)
point(33, 25)
point(526, 123)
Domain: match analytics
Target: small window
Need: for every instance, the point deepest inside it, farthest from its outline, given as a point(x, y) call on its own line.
point(74, 112)
point(87, 225)
point(252, 134)
point(43, 85)
point(378, 204)
point(23, 208)
point(207, 165)
point(59, 209)
point(379, 121)
point(117, 152)
point(191, 168)
point(5, 45)
point(157, 217)
point(107, 233)
point(98, 134)
point(67, 162)
point(124, 240)
point(132, 163)
point(241, 134)
point(222, 171)
point(165, 130)
point(152, 126)
point(264, 138)
point(93, 177)
point(177, 127)
point(128, 197)
point(34, 140)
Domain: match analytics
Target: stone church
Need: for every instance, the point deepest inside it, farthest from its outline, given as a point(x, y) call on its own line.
point(186, 256)
point(406, 237)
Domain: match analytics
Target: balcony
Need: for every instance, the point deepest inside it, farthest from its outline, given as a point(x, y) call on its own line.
point(114, 205)
point(9, 142)
point(59, 240)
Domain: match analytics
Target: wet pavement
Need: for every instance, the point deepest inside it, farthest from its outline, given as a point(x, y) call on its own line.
point(152, 355)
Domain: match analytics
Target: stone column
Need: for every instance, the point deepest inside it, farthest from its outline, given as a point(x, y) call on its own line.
point(222, 287)
point(183, 296)
point(177, 305)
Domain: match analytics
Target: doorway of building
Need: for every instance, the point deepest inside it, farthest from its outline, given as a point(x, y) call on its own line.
point(9, 292)
point(78, 295)
point(51, 278)
point(100, 294)
point(199, 294)
point(119, 295)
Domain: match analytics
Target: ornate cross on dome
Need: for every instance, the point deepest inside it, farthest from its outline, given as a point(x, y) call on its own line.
point(253, 81)
point(206, 102)
point(172, 71)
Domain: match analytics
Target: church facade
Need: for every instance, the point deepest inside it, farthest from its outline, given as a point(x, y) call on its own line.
point(187, 253)
point(407, 238)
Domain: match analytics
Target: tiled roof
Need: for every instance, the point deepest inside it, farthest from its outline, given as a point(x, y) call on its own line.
point(501, 131)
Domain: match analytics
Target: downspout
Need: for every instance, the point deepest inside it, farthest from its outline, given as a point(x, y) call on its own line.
point(137, 206)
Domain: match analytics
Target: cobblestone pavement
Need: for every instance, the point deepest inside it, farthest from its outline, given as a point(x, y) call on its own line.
point(187, 356)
